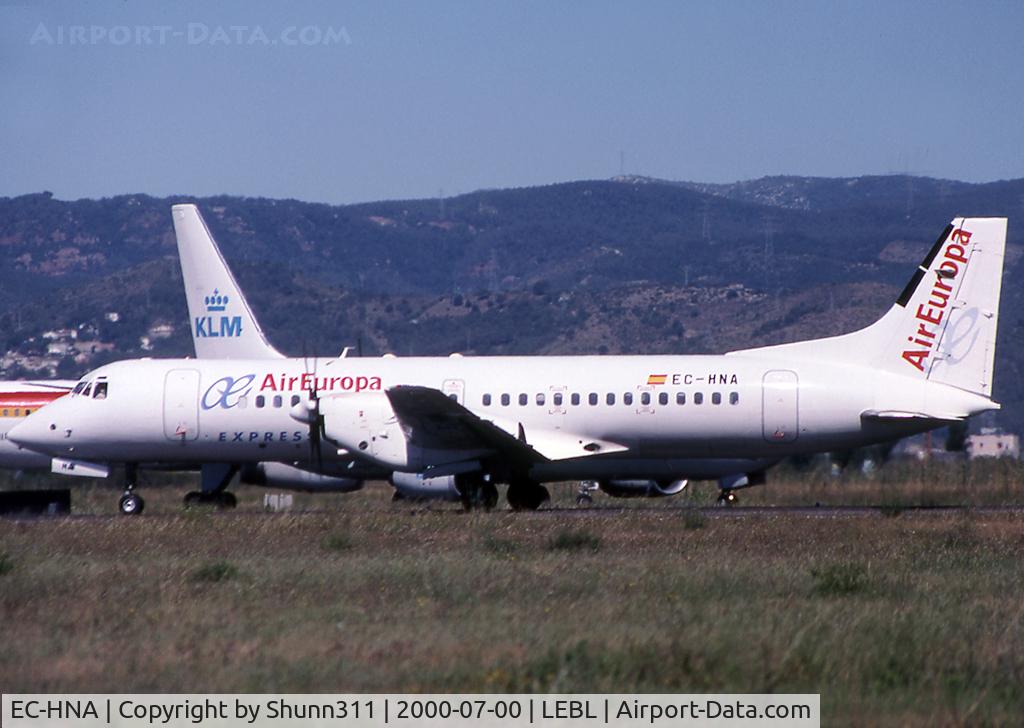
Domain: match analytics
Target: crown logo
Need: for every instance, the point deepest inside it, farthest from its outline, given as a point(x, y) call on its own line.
point(216, 302)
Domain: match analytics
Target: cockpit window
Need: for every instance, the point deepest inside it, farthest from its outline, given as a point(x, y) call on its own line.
point(87, 390)
point(100, 392)
point(78, 388)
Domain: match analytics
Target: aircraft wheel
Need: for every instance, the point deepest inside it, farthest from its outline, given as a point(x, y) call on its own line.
point(488, 496)
point(584, 499)
point(476, 492)
point(527, 496)
point(131, 504)
point(227, 500)
point(193, 498)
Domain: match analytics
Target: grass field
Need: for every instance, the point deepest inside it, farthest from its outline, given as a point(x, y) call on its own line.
point(896, 617)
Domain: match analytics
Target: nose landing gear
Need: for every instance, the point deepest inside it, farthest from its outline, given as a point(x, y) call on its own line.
point(727, 497)
point(131, 504)
point(583, 494)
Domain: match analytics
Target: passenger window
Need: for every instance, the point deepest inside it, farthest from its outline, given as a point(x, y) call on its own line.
point(592, 398)
point(17, 411)
point(540, 398)
point(100, 392)
point(260, 401)
point(663, 398)
point(505, 399)
point(487, 400)
point(698, 398)
point(734, 397)
point(243, 402)
point(627, 399)
point(680, 397)
point(295, 399)
point(645, 398)
point(610, 398)
point(278, 401)
point(575, 398)
point(557, 397)
point(523, 399)
point(7, 413)
point(716, 398)
point(28, 411)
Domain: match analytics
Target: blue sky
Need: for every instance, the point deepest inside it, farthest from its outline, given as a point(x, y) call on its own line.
point(344, 102)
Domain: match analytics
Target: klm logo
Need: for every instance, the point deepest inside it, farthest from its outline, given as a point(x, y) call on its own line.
point(215, 327)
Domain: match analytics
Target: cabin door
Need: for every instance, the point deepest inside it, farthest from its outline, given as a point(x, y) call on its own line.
point(181, 404)
point(780, 400)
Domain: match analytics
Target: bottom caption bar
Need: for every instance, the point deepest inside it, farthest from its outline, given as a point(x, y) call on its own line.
point(371, 710)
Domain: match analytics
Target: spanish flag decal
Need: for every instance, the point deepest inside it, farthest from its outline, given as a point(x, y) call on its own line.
point(656, 378)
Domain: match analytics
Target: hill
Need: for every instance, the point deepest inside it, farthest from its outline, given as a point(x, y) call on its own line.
point(630, 265)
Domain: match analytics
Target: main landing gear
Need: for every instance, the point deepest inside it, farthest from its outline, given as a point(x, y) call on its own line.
point(131, 504)
point(214, 479)
point(223, 500)
point(476, 491)
point(525, 495)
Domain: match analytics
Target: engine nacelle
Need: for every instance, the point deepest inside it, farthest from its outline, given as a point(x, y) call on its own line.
point(289, 477)
point(365, 424)
point(416, 487)
point(641, 488)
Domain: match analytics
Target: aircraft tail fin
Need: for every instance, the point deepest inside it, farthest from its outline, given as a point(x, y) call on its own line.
point(943, 325)
point(223, 325)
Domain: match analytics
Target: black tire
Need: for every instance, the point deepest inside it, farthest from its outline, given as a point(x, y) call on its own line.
point(475, 492)
point(488, 496)
point(227, 500)
point(527, 496)
point(131, 504)
point(193, 498)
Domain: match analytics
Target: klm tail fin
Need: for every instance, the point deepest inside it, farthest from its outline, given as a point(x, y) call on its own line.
point(223, 325)
point(943, 325)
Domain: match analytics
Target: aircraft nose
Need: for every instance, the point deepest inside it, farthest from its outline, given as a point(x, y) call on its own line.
point(39, 431)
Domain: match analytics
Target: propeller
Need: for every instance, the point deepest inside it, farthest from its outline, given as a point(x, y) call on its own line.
point(314, 417)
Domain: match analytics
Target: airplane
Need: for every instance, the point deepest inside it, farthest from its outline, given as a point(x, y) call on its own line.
point(628, 422)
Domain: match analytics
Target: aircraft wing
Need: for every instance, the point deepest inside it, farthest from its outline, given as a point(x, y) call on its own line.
point(432, 420)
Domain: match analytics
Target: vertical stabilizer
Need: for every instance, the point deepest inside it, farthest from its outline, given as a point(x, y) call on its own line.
point(955, 308)
point(943, 325)
point(223, 325)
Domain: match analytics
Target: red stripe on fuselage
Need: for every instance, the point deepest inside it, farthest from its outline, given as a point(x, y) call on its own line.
point(28, 399)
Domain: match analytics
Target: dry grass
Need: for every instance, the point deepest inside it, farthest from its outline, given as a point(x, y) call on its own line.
point(916, 619)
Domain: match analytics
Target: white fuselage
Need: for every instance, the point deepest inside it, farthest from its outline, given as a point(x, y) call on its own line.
point(663, 410)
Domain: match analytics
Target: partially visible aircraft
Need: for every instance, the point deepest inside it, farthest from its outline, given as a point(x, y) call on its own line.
point(473, 422)
point(18, 400)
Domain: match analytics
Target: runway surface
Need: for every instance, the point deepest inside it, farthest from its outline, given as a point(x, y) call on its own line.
point(584, 512)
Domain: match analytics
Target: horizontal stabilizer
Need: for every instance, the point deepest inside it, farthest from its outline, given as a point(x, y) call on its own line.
point(900, 416)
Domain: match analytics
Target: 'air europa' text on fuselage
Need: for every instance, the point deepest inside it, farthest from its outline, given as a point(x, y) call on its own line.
point(308, 382)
